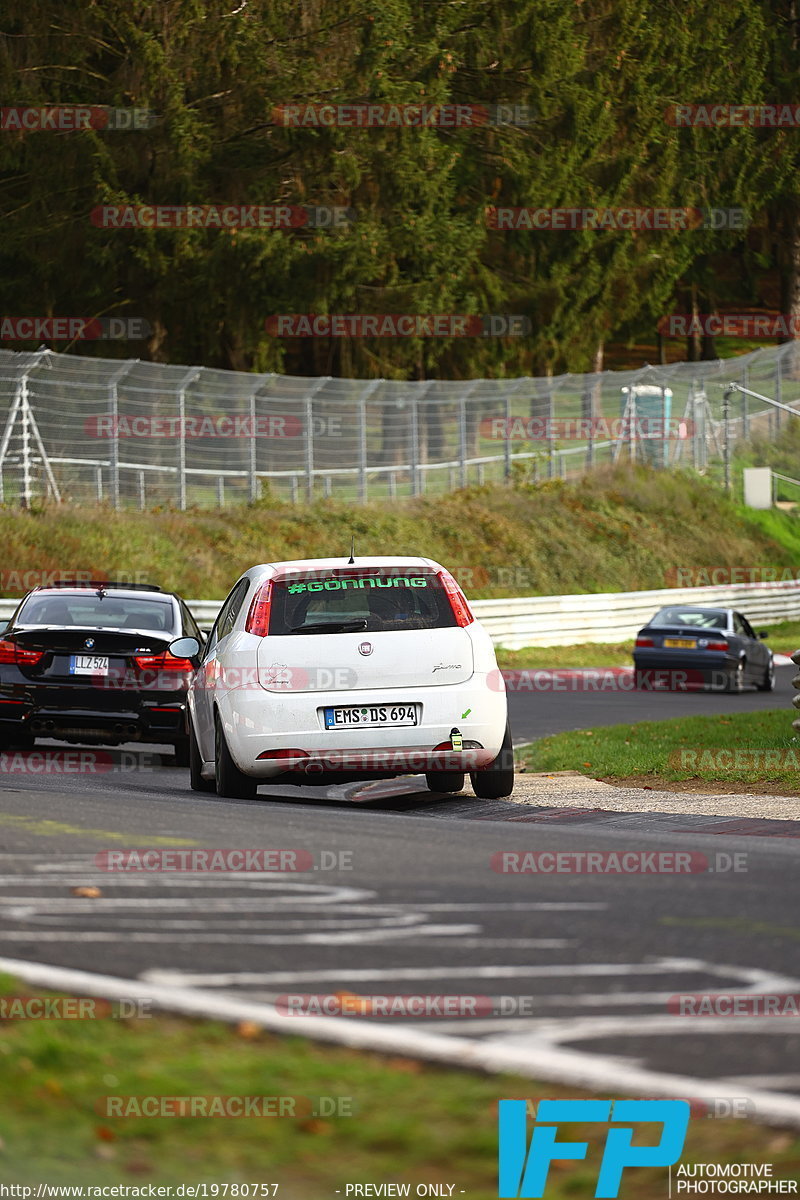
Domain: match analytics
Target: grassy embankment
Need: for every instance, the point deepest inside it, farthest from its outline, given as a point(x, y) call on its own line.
point(411, 1123)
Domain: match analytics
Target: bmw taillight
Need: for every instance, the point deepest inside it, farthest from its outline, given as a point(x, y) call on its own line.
point(458, 601)
point(258, 617)
point(717, 646)
point(640, 641)
point(12, 652)
point(163, 662)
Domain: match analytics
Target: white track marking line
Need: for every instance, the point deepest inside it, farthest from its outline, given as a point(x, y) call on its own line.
point(377, 974)
point(230, 937)
point(767, 1081)
point(536, 1059)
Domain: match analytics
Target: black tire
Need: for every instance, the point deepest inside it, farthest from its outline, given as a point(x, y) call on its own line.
point(181, 748)
point(735, 680)
point(768, 682)
point(445, 781)
point(17, 741)
point(497, 780)
point(230, 781)
point(196, 781)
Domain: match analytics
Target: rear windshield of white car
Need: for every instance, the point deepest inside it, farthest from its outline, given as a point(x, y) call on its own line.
point(88, 610)
point(359, 601)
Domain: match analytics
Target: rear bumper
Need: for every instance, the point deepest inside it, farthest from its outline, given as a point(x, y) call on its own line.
point(679, 669)
point(161, 721)
point(256, 723)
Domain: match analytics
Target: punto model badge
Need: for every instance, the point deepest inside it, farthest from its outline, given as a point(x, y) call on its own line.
point(89, 643)
point(365, 648)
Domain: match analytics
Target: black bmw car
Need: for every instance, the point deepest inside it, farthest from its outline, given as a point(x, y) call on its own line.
point(89, 663)
point(684, 646)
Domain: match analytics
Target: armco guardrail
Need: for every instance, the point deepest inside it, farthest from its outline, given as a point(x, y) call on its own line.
point(617, 617)
point(596, 617)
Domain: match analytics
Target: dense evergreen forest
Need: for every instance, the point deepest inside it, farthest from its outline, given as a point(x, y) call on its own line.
point(595, 80)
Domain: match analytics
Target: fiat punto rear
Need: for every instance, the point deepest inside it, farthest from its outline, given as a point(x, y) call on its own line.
point(329, 670)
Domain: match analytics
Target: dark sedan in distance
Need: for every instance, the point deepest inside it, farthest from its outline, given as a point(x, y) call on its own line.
point(685, 647)
point(89, 663)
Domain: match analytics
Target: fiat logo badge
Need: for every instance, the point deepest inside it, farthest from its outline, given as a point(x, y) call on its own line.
point(365, 648)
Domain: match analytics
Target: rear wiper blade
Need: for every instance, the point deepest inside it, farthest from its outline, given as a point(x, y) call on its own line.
point(331, 626)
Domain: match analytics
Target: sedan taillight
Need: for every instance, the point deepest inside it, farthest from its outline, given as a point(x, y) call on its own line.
point(12, 652)
point(717, 646)
point(163, 662)
point(640, 641)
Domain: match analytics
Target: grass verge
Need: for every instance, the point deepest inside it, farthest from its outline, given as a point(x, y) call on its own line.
point(684, 748)
point(615, 529)
point(412, 1123)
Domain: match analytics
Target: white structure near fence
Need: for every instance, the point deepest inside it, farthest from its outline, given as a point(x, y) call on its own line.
point(138, 434)
point(599, 617)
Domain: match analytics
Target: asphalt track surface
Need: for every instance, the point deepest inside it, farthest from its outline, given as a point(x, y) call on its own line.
point(396, 903)
point(585, 700)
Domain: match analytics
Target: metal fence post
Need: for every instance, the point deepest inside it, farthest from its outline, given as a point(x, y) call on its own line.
point(414, 455)
point(27, 490)
point(550, 438)
point(309, 440)
point(6, 439)
point(188, 379)
point(113, 403)
point(462, 441)
point(253, 480)
point(372, 386)
point(507, 439)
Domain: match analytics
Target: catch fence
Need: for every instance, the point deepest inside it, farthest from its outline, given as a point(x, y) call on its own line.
point(137, 434)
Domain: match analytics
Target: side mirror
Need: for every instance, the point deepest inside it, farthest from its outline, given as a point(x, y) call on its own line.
point(764, 633)
point(185, 647)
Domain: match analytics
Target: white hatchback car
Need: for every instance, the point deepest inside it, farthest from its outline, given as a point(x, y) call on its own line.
point(329, 670)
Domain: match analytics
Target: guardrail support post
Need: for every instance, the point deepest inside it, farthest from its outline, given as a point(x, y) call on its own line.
point(796, 685)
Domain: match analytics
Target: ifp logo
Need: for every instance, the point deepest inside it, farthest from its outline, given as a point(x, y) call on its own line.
point(521, 1178)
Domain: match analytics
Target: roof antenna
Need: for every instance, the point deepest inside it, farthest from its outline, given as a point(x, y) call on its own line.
point(352, 550)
